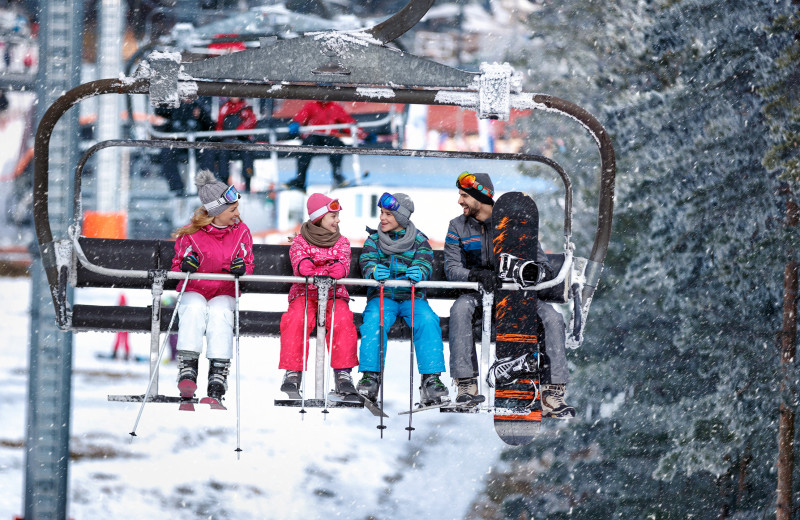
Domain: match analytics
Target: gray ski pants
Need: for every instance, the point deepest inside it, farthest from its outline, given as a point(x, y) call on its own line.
point(466, 311)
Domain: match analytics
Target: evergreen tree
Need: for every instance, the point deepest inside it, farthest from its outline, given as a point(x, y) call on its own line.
point(683, 328)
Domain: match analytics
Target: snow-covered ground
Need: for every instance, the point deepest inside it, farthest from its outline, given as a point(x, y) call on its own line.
point(183, 465)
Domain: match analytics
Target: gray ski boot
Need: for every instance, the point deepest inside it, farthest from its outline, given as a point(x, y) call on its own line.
point(432, 390)
point(369, 385)
point(344, 385)
point(291, 383)
point(187, 373)
point(217, 382)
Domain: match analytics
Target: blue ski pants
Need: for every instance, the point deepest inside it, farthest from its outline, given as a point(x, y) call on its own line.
point(428, 343)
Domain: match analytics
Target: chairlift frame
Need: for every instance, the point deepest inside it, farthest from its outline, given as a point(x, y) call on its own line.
point(347, 67)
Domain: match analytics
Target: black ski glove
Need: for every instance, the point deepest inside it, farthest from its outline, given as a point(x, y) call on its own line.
point(486, 277)
point(237, 267)
point(190, 263)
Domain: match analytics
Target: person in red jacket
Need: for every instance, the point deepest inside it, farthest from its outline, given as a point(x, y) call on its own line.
point(315, 113)
point(235, 114)
point(215, 241)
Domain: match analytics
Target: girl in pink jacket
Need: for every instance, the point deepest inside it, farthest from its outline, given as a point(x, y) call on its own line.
point(319, 250)
point(216, 241)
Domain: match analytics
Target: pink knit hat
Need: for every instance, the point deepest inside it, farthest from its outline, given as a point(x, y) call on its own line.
point(318, 205)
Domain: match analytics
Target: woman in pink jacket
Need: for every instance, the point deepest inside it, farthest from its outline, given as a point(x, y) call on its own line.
point(319, 250)
point(215, 241)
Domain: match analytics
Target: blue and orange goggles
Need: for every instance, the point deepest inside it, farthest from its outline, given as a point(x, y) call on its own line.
point(468, 180)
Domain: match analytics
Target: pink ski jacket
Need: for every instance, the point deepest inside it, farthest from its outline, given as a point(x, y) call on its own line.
point(328, 261)
point(215, 248)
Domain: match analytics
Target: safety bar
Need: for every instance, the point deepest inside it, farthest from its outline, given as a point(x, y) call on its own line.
point(174, 275)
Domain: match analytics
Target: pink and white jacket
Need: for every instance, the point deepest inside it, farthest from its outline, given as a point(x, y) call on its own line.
point(309, 260)
point(215, 248)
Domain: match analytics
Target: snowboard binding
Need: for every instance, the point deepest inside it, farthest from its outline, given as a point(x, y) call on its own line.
point(507, 370)
point(524, 273)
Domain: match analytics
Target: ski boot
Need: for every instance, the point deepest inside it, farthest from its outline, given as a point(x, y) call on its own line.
point(524, 273)
point(291, 383)
point(369, 385)
point(217, 383)
point(553, 403)
point(187, 378)
point(344, 385)
point(432, 390)
point(507, 370)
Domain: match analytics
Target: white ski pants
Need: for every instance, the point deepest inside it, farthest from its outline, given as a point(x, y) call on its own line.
point(210, 318)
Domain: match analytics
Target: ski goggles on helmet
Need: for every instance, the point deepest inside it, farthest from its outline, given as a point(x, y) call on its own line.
point(230, 196)
point(332, 206)
point(468, 181)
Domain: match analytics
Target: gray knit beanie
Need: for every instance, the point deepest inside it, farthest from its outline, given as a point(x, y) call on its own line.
point(209, 189)
point(403, 214)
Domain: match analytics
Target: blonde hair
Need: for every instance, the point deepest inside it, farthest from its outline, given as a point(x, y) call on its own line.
point(200, 219)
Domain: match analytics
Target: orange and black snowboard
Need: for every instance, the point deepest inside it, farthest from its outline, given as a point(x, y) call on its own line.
point(518, 410)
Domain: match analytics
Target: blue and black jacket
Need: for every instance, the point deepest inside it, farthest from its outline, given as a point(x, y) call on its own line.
point(420, 254)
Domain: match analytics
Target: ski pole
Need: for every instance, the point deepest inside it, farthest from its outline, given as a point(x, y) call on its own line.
point(160, 355)
point(329, 369)
point(305, 354)
point(411, 369)
point(238, 449)
point(381, 427)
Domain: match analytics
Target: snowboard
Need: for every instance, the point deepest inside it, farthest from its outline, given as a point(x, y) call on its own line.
point(517, 403)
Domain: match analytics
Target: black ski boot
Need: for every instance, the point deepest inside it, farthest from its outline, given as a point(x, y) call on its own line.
point(344, 385)
point(217, 382)
point(369, 385)
point(187, 373)
point(432, 390)
point(291, 383)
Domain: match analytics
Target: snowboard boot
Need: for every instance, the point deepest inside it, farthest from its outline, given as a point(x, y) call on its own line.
point(467, 390)
point(298, 183)
point(344, 382)
point(432, 390)
point(369, 385)
point(291, 383)
point(553, 403)
point(187, 373)
point(218, 378)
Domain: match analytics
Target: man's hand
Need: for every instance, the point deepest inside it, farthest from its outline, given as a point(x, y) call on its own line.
point(486, 277)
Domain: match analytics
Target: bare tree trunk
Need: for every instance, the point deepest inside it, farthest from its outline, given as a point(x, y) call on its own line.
point(784, 506)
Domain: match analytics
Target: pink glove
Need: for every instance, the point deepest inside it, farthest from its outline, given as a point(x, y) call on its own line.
point(306, 267)
point(336, 270)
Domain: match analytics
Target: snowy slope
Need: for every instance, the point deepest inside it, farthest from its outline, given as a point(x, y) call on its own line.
point(183, 464)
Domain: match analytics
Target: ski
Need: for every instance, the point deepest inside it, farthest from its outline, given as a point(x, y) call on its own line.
point(517, 403)
point(344, 398)
point(419, 407)
point(373, 407)
point(187, 388)
point(214, 403)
